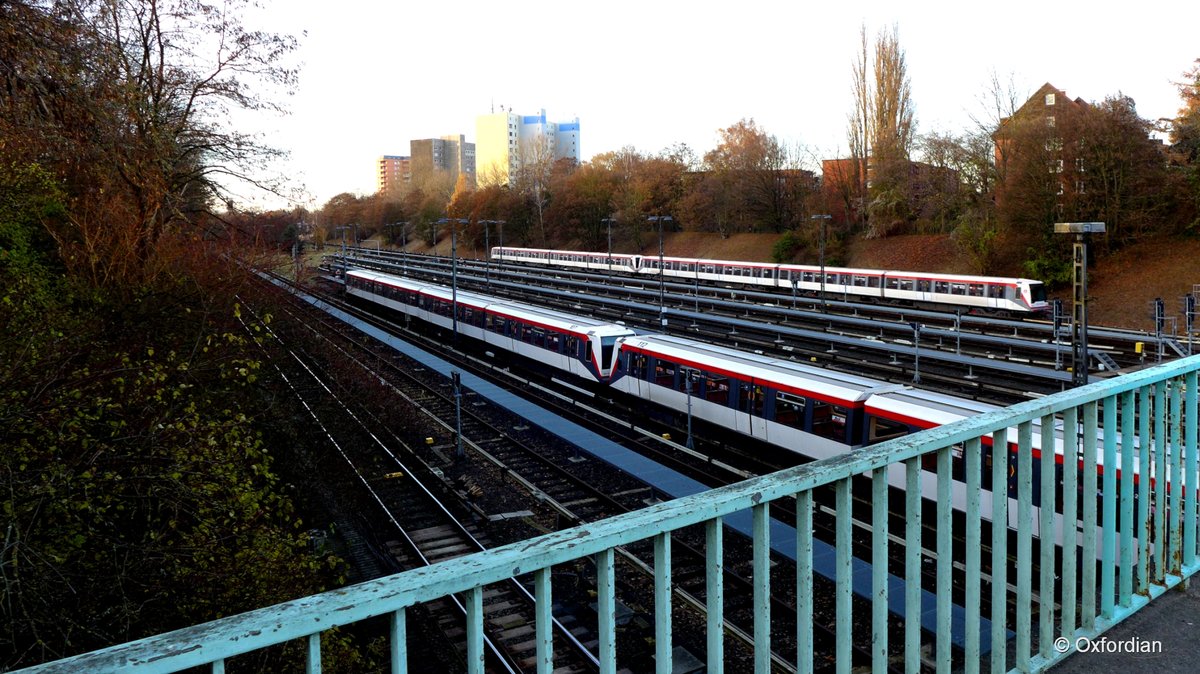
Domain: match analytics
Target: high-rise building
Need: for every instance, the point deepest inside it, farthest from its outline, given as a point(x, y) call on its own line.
point(449, 154)
point(392, 172)
point(505, 140)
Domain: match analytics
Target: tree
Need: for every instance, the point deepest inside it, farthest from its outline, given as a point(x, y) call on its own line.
point(125, 100)
point(881, 131)
point(1185, 147)
point(760, 176)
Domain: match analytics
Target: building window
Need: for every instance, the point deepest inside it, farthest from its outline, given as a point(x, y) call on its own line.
point(1050, 121)
point(1049, 99)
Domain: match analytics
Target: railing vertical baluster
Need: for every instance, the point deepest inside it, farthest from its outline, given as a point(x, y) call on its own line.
point(662, 603)
point(844, 635)
point(543, 633)
point(606, 610)
point(971, 468)
point(714, 557)
point(1046, 538)
point(912, 565)
point(218, 667)
point(1070, 519)
point(398, 634)
point(312, 663)
point(1128, 411)
point(804, 583)
point(1190, 449)
point(762, 589)
point(1144, 495)
point(1089, 517)
point(475, 630)
point(1176, 486)
point(1024, 543)
point(1000, 463)
point(1108, 549)
point(879, 570)
point(945, 581)
point(1161, 489)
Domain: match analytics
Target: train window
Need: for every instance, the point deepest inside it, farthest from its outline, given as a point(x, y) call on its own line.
point(845, 279)
point(907, 284)
point(536, 336)
point(809, 277)
point(958, 289)
point(638, 365)
point(716, 390)
point(829, 421)
point(789, 409)
point(860, 281)
point(708, 268)
point(923, 285)
point(554, 342)
point(872, 281)
point(664, 373)
point(750, 399)
point(884, 429)
point(976, 290)
point(893, 284)
point(941, 287)
point(768, 273)
point(573, 346)
point(995, 291)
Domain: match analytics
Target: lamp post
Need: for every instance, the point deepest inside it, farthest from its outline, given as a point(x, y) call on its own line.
point(343, 229)
point(608, 260)
point(1079, 352)
point(487, 252)
point(454, 222)
point(662, 312)
point(824, 218)
point(404, 245)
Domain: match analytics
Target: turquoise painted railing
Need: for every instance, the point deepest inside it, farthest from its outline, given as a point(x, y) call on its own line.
point(1153, 412)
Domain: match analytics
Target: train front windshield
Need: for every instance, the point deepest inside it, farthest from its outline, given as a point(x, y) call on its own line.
point(1037, 293)
point(607, 346)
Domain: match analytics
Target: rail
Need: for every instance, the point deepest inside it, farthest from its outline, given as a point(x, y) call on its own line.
point(1152, 414)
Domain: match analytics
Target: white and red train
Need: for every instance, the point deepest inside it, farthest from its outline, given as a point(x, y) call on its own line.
point(804, 409)
point(972, 293)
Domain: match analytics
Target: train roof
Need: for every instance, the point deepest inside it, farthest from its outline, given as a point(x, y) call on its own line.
point(926, 408)
point(546, 317)
point(562, 252)
point(829, 385)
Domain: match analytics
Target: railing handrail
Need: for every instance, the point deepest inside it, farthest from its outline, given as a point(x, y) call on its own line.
point(198, 644)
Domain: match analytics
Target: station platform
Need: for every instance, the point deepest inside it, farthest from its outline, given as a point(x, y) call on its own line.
point(670, 482)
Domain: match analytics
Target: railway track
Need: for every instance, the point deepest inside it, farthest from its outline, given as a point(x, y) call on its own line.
point(427, 530)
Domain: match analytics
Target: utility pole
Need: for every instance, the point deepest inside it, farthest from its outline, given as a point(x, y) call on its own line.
point(823, 218)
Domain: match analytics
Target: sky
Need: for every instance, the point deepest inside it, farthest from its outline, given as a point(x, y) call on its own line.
point(655, 73)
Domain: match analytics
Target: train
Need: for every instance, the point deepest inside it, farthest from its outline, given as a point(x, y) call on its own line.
point(985, 294)
point(813, 412)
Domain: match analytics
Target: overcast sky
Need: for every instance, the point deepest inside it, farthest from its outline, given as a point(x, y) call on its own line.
point(651, 73)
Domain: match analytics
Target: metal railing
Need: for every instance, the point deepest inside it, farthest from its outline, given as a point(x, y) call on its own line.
point(1141, 534)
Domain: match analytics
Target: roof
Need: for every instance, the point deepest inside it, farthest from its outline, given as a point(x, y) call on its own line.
point(546, 317)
